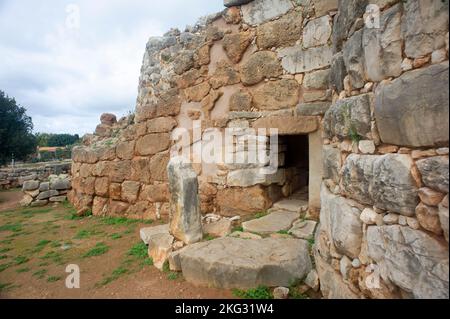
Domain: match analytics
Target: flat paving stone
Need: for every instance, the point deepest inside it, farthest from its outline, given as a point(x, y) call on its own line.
point(272, 223)
point(303, 229)
point(245, 263)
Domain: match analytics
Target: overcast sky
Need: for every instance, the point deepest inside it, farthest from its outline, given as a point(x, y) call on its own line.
point(67, 71)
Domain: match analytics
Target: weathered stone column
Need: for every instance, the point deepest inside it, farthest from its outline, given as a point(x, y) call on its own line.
point(185, 221)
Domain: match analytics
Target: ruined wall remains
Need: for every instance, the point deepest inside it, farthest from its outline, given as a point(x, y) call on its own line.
point(371, 99)
point(15, 177)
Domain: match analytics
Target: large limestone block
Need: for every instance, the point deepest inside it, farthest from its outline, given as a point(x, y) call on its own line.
point(185, 215)
point(415, 261)
point(434, 171)
point(354, 59)
point(152, 143)
point(159, 248)
point(385, 181)
point(383, 46)
point(298, 60)
point(288, 125)
point(259, 11)
point(30, 185)
point(413, 109)
point(339, 218)
point(259, 66)
point(349, 117)
point(276, 95)
point(317, 32)
point(332, 284)
point(254, 176)
point(425, 24)
point(282, 32)
point(332, 163)
point(245, 263)
point(233, 201)
point(272, 223)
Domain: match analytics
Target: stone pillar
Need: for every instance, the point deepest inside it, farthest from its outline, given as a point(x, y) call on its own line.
point(185, 221)
point(315, 171)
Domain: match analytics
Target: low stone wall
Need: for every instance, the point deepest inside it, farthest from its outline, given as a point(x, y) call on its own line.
point(51, 190)
point(12, 178)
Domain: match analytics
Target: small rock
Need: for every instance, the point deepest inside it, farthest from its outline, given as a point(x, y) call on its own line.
point(45, 186)
point(356, 263)
point(159, 248)
point(412, 222)
point(390, 219)
point(438, 56)
point(303, 229)
point(370, 217)
point(312, 280)
point(415, 154)
point(281, 293)
point(26, 200)
point(39, 203)
point(83, 211)
point(402, 220)
point(30, 185)
point(344, 266)
point(219, 228)
point(407, 64)
point(430, 197)
point(177, 245)
point(419, 62)
point(442, 151)
point(366, 147)
point(385, 149)
point(428, 217)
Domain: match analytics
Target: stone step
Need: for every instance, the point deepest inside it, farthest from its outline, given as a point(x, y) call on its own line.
point(245, 263)
point(303, 229)
point(272, 223)
point(292, 205)
point(147, 233)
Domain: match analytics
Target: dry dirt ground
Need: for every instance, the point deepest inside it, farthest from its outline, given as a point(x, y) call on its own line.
point(36, 245)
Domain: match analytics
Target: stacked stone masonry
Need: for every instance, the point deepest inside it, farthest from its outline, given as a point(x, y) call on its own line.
point(374, 101)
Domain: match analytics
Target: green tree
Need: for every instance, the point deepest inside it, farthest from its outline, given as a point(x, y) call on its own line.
point(62, 139)
point(16, 127)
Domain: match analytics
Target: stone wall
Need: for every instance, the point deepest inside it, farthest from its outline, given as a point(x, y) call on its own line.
point(384, 218)
point(373, 102)
point(236, 69)
point(12, 178)
point(42, 192)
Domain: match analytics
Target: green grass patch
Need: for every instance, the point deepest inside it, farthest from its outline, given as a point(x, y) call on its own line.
point(87, 233)
point(237, 228)
point(114, 276)
point(3, 257)
point(7, 286)
point(148, 261)
point(54, 256)
point(17, 227)
point(166, 267)
point(40, 273)
point(262, 292)
point(53, 278)
point(21, 270)
point(99, 249)
point(173, 275)
point(19, 260)
point(6, 241)
point(4, 266)
point(139, 251)
point(4, 250)
point(115, 236)
point(117, 221)
point(283, 232)
point(261, 214)
point(209, 237)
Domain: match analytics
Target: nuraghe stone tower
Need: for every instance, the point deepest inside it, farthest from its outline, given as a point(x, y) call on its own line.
point(358, 91)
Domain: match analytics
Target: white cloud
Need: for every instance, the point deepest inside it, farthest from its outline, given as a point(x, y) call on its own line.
point(67, 77)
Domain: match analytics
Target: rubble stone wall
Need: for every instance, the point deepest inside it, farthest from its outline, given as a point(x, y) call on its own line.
point(12, 178)
point(373, 101)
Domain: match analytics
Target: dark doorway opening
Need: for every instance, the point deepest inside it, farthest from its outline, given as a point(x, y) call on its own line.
point(296, 162)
